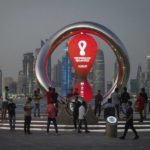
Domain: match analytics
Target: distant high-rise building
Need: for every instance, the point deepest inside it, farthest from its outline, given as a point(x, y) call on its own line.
point(142, 80)
point(13, 87)
point(134, 86)
point(56, 74)
point(138, 77)
point(35, 82)
point(21, 83)
point(109, 85)
point(148, 67)
point(1, 82)
point(66, 75)
point(28, 72)
point(99, 73)
point(147, 84)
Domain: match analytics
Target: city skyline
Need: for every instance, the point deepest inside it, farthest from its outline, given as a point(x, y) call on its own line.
point(25, 23)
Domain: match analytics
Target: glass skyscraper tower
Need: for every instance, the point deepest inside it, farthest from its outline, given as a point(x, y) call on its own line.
point(0, 82)
point(66, 75)
point(99, 73)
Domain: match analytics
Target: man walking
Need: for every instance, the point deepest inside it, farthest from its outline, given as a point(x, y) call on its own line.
point(125, 96)
point(55, 99)
point(116, 101)
point(144, 95)
point(98, 100)
point(129, 121)
point(12, 114)
point(5, 102)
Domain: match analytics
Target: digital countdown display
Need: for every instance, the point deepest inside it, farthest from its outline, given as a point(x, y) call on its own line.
point(82, 50)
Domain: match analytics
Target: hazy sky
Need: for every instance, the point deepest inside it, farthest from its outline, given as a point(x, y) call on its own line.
point(23, 23)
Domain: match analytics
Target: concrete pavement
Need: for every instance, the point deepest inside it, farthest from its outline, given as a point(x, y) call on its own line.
point(70, 141)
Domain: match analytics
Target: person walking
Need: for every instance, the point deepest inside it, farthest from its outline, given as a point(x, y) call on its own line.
point(5, 102)
point(129, 121)
point(37, 99)
point(144, 94)
point(27, 115)
point(51, 111)
point(116, 101)
point(98, 100)
point(76, 105)
point(125, 97)
point(55, 99)
point(12, 114)
point(82, 116)
point(49, 95)
point(140, 106)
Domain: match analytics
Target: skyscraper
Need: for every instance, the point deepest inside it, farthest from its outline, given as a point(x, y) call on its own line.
point(138, 77)
point(0, 82)
point(148, 67)
point(56, 74)
point(148, 75)
point(99, 73)
point(66, 75)
point(109, 85)
point(28, 60)
point(134, 86)
point(21, 83)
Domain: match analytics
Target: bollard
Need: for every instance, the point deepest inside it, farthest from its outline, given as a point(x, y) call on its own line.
point(111, 126)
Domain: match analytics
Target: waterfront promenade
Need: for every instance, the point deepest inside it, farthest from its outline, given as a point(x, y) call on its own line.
point(71, 141)
point(68, 138)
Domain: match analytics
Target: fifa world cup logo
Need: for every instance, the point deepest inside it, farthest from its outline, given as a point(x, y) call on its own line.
point(82, 46)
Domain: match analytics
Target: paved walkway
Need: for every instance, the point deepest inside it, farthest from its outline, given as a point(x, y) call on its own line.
point(70, 141)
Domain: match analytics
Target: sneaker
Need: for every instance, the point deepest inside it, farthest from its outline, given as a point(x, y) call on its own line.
point(136, 137)
point(122, 137)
